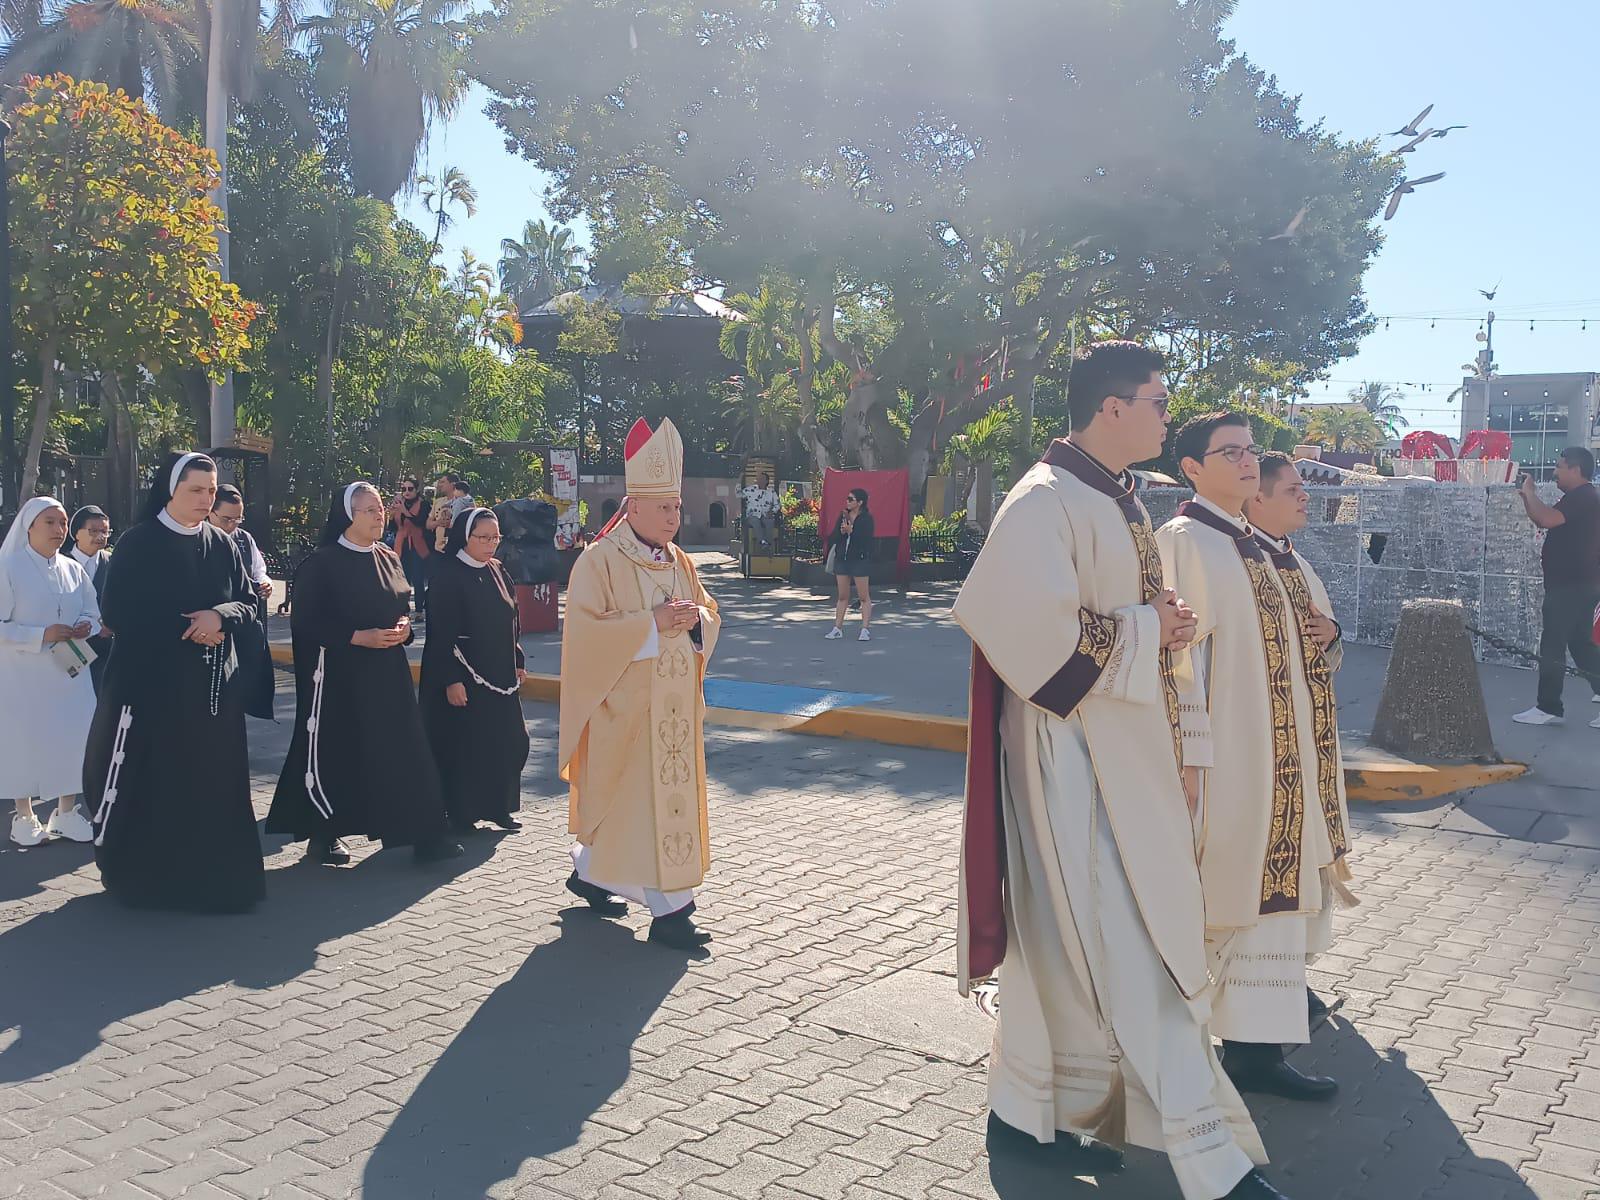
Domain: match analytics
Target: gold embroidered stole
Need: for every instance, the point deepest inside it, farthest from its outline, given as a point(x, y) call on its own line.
point(1324, 707)
point(674, 757)
point(1280, 873)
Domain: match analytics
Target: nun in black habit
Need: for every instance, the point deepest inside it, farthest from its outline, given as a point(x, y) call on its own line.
point(87, 536)
point(359, 762)
point(166, 771)
point(471, 672)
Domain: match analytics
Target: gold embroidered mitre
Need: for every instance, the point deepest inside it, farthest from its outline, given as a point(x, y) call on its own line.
point(653, 462)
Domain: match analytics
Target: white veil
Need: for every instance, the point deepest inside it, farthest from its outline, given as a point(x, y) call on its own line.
point(17, 538)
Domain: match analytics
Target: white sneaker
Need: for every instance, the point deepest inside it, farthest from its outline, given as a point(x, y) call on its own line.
point(26, 831)
point(1538, 716)
point(73, 826)
point(834, 634)
point(864, 636)
point(1595, 724)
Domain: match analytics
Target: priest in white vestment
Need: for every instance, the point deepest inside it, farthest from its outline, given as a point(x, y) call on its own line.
point(1079, 883)
point(1280, 509)
point(1271, 831)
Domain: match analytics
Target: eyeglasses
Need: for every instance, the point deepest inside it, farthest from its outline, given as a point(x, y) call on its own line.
point(1235, 454)
point(228, 522)
point(491, 539)
point(1163, 402)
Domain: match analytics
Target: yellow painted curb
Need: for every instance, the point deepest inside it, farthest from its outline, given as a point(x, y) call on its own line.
point(1371, 776)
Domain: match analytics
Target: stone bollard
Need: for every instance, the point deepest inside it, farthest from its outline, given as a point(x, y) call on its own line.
point(1432, 706)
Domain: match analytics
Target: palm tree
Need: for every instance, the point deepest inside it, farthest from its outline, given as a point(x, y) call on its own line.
point(1345, 427)
point(769, 387)
point(399, 64)
point(543, 264)
point(147, 48)
point(1382, 401)
point(451, 190)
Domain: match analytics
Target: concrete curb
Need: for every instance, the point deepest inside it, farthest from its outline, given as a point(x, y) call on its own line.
point(1371, 776)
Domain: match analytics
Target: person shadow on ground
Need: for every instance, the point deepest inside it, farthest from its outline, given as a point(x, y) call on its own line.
point(23, 873)
point(1383, 1136)
point(75, 970)
point(540, 1057)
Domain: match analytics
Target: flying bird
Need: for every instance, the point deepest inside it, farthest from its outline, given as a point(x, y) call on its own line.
point(1490, 294)
point(1416, 141)
point(1409, 129)
point(1445, 131)
point(1293, 227)
point(1407, 186)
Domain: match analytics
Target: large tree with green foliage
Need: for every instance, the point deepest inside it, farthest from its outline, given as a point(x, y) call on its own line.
point(1026, 169)
point(115, 246)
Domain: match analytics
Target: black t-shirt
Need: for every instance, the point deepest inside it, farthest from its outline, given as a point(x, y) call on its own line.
point(1572, 549)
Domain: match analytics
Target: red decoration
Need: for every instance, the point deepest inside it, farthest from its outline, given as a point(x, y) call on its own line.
point(1426, 444)
point(1488, 443)
point(888, 499)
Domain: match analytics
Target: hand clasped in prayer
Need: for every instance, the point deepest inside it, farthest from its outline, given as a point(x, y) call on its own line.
point(205, 627)
point(677, 616)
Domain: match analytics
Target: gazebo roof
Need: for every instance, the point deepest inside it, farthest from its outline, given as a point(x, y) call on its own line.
point(694, 306)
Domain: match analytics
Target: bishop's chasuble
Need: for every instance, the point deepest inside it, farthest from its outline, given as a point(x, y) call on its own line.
point(1257, 713)
point(631, 740)
point(1078, 874)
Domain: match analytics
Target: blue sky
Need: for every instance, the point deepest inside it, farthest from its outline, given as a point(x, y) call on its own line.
point(1516, 207)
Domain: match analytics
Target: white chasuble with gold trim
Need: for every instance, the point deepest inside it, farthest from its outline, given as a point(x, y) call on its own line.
point(632, 728)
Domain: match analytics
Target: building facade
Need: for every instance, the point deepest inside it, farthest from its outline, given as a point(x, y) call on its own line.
point(1544, 414)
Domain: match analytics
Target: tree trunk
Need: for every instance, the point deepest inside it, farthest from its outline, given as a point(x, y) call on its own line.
point(196, 391)
point(122, 464)
point(222, 400)
point(42, 408)
point(863, 398)
point(805, 386)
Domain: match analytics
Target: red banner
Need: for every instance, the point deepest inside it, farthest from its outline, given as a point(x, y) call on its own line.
point(888, 499)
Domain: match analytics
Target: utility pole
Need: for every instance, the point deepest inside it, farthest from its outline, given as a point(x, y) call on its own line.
point(1486, 364)
point(216, 134)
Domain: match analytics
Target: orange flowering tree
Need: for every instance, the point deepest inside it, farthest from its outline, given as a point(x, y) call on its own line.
point(114, 244)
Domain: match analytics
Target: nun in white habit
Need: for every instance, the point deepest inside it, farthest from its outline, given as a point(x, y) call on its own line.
point(45, 599)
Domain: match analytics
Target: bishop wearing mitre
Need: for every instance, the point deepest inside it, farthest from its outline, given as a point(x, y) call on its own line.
point(638, 633)
point(1079, 884)
point(1260, 753)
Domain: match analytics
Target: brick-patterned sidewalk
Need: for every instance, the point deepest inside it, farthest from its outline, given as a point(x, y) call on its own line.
point(396, 1033)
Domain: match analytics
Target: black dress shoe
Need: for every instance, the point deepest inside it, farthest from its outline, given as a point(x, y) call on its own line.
point(436, 849)
point(1316, 1007)
point(330, 853)
point(600, 900)
point(1082, 1155)
point(1260, 1067)
point(509, 824)
point(678, 930)
point(1254, 1186)
point(463, 828)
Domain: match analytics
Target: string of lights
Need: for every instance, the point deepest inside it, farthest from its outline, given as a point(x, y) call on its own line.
point(1515, 319)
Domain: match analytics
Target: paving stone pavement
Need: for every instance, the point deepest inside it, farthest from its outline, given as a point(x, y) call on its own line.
point(465, 1032)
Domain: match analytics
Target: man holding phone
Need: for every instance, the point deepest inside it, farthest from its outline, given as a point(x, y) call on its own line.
point(1571, 562)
